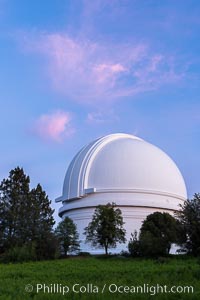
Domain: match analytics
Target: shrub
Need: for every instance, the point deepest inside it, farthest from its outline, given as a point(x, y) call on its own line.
point(81, 253)
point(20, 254)
point(124, 253)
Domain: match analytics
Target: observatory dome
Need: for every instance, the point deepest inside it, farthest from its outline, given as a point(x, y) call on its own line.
point(136, 175)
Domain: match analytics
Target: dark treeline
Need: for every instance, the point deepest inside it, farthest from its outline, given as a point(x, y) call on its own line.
point(26, 219)
point(26, 223)
point(26, 226)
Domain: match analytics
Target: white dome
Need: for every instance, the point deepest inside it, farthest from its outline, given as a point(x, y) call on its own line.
point(122, 163)
point(124, 169)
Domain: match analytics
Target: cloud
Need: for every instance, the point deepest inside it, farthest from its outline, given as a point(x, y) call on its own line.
point(100, 117)
point(107, 72)
point(96, 72)
point(55, 126)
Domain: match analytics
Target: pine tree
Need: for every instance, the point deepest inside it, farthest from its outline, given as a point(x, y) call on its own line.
point(14, 196)
point(41, 220)
point(26, 217)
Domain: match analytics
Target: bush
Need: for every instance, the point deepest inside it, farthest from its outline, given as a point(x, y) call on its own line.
point(20, 254)
point(124, 253)
point(47, 248)
point(84, 253)
point(152, 246)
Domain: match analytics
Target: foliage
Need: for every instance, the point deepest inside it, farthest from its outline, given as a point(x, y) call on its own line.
point(84, 253)
point(120, 271)
point(14, 205)
point(134, 245)
point(189, 217)
point(157, 233)
point(20, 254)
point(25, 215)
point(124, 253)
point(67, 235)
point(106, 228)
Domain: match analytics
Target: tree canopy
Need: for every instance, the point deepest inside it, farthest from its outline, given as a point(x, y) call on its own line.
point(189, 216)
point(67, 235)
point(25, 215)
point(158, 232)
point(106, 228)
point(134, 245)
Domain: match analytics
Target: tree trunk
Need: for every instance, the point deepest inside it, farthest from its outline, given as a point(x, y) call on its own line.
point(106, 249)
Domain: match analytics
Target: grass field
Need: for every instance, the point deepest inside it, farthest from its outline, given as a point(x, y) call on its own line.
point(113, 271)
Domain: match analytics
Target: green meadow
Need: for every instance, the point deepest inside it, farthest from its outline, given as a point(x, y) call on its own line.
point(90, 275)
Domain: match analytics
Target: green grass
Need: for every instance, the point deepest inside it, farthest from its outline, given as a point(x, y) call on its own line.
point(99, 271)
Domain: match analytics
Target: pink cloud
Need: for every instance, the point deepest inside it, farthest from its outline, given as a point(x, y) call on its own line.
point(54, 126)
point(91, 72)
point(108, 72)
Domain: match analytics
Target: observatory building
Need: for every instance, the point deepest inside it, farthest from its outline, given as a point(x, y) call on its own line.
point(136, 175)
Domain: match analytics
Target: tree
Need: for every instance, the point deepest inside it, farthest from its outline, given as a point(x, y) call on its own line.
point(67, 235)
point(189, 217)
point(158, 232)
point(41, 222)
point(25, 215)
point(134, 245)
point(106, 228)
point(14, 197)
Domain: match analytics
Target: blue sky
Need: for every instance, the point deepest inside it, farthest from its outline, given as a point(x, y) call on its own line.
point(72, 71)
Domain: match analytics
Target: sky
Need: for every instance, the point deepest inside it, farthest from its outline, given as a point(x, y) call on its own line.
point(74, 70)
